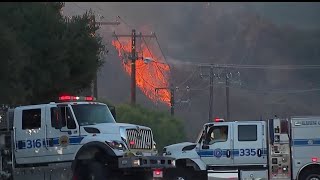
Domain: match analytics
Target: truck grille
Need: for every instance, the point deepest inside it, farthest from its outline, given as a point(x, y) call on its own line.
point(139, 138)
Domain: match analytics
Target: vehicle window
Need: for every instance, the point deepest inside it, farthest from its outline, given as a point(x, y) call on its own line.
point(90, 114)
point(217, 134)
point(247, 132)
point(31, 119)
point(54, 116)
point(66, 116)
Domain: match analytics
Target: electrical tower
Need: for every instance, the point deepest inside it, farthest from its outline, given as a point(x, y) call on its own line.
point(219, 72)
point(133, 57)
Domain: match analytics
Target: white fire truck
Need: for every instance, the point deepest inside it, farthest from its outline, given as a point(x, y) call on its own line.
point(276, 149)
point(76, 138)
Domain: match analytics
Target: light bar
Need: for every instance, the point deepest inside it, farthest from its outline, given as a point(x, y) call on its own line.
point(218, 120)
point(76, 98)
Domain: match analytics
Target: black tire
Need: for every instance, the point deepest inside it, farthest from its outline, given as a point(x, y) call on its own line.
point(96, 171)
point(79, 172)
point(312, 174)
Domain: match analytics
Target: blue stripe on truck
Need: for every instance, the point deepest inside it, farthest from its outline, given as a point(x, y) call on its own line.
point(306, 142)
point(223, 152)
point(51, 142)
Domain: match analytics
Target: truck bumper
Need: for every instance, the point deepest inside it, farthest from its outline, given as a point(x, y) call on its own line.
point(153, 162)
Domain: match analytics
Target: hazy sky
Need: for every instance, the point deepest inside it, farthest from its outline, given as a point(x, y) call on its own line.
point(304, 15)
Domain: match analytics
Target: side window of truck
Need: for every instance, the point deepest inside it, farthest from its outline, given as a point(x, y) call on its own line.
point(55, 117)
point(217, 134)
point(247, 132)
point(65, 115)
point(31, 119)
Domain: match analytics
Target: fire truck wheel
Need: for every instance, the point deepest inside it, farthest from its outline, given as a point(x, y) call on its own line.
point(96, 171)
point(312, 174)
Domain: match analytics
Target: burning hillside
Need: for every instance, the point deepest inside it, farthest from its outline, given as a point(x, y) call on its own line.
point(149, 75)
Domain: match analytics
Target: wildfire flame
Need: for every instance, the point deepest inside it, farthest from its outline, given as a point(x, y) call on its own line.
point(149, 76)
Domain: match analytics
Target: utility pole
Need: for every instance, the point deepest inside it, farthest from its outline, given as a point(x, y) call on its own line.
point(227, 94)
point(133, 67)
point(211, 95)
point(172, 101)
point(227, 75)
point(94, 88)
point(211, 81)
point(133, 59)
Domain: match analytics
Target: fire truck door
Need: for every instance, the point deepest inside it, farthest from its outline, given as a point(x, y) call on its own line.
point(249, 143)
point(62, 140)
point(29, 134)
point(216, 148)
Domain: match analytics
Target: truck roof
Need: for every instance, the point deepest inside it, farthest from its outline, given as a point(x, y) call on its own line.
point(245, 121)
point(59, 103)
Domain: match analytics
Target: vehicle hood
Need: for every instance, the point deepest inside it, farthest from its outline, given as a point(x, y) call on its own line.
point(179, 146)
point(114, 128)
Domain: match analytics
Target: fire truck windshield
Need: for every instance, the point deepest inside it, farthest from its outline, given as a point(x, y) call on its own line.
point(91, 114)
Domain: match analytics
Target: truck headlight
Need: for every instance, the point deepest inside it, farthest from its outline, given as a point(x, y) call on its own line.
point(116, 145)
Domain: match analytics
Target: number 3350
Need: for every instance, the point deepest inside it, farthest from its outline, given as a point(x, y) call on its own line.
point(248, 152)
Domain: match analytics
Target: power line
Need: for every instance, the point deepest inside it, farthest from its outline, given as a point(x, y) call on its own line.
point(153, 57)
point(275, 91)
point(124, 22)
point(253, 66)
point(279, 67)
point(79, 6)
point(189, 77)
point(162, 51)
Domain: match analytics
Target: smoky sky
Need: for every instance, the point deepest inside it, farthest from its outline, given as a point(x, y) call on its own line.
point(223, 32)
point(191, 26)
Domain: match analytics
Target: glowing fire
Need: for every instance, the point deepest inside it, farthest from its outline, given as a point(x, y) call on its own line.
point(151, 75)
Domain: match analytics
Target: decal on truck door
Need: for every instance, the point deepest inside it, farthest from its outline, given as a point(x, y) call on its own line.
point(64, 141)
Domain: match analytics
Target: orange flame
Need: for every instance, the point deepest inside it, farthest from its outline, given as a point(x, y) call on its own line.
point(149, 76)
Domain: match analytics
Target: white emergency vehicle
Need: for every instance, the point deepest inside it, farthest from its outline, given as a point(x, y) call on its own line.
point(276, 149)
point(76, 138)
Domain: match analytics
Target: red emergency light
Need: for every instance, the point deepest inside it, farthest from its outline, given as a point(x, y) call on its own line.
point(89, 98)
point(314, 159)
point(76, 98)
point(218, 120)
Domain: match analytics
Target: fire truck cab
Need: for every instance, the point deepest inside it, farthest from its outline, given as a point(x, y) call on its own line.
point(274, 149)
point(76, 135)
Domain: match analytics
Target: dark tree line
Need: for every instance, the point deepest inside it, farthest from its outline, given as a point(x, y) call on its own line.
point(43, 53)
